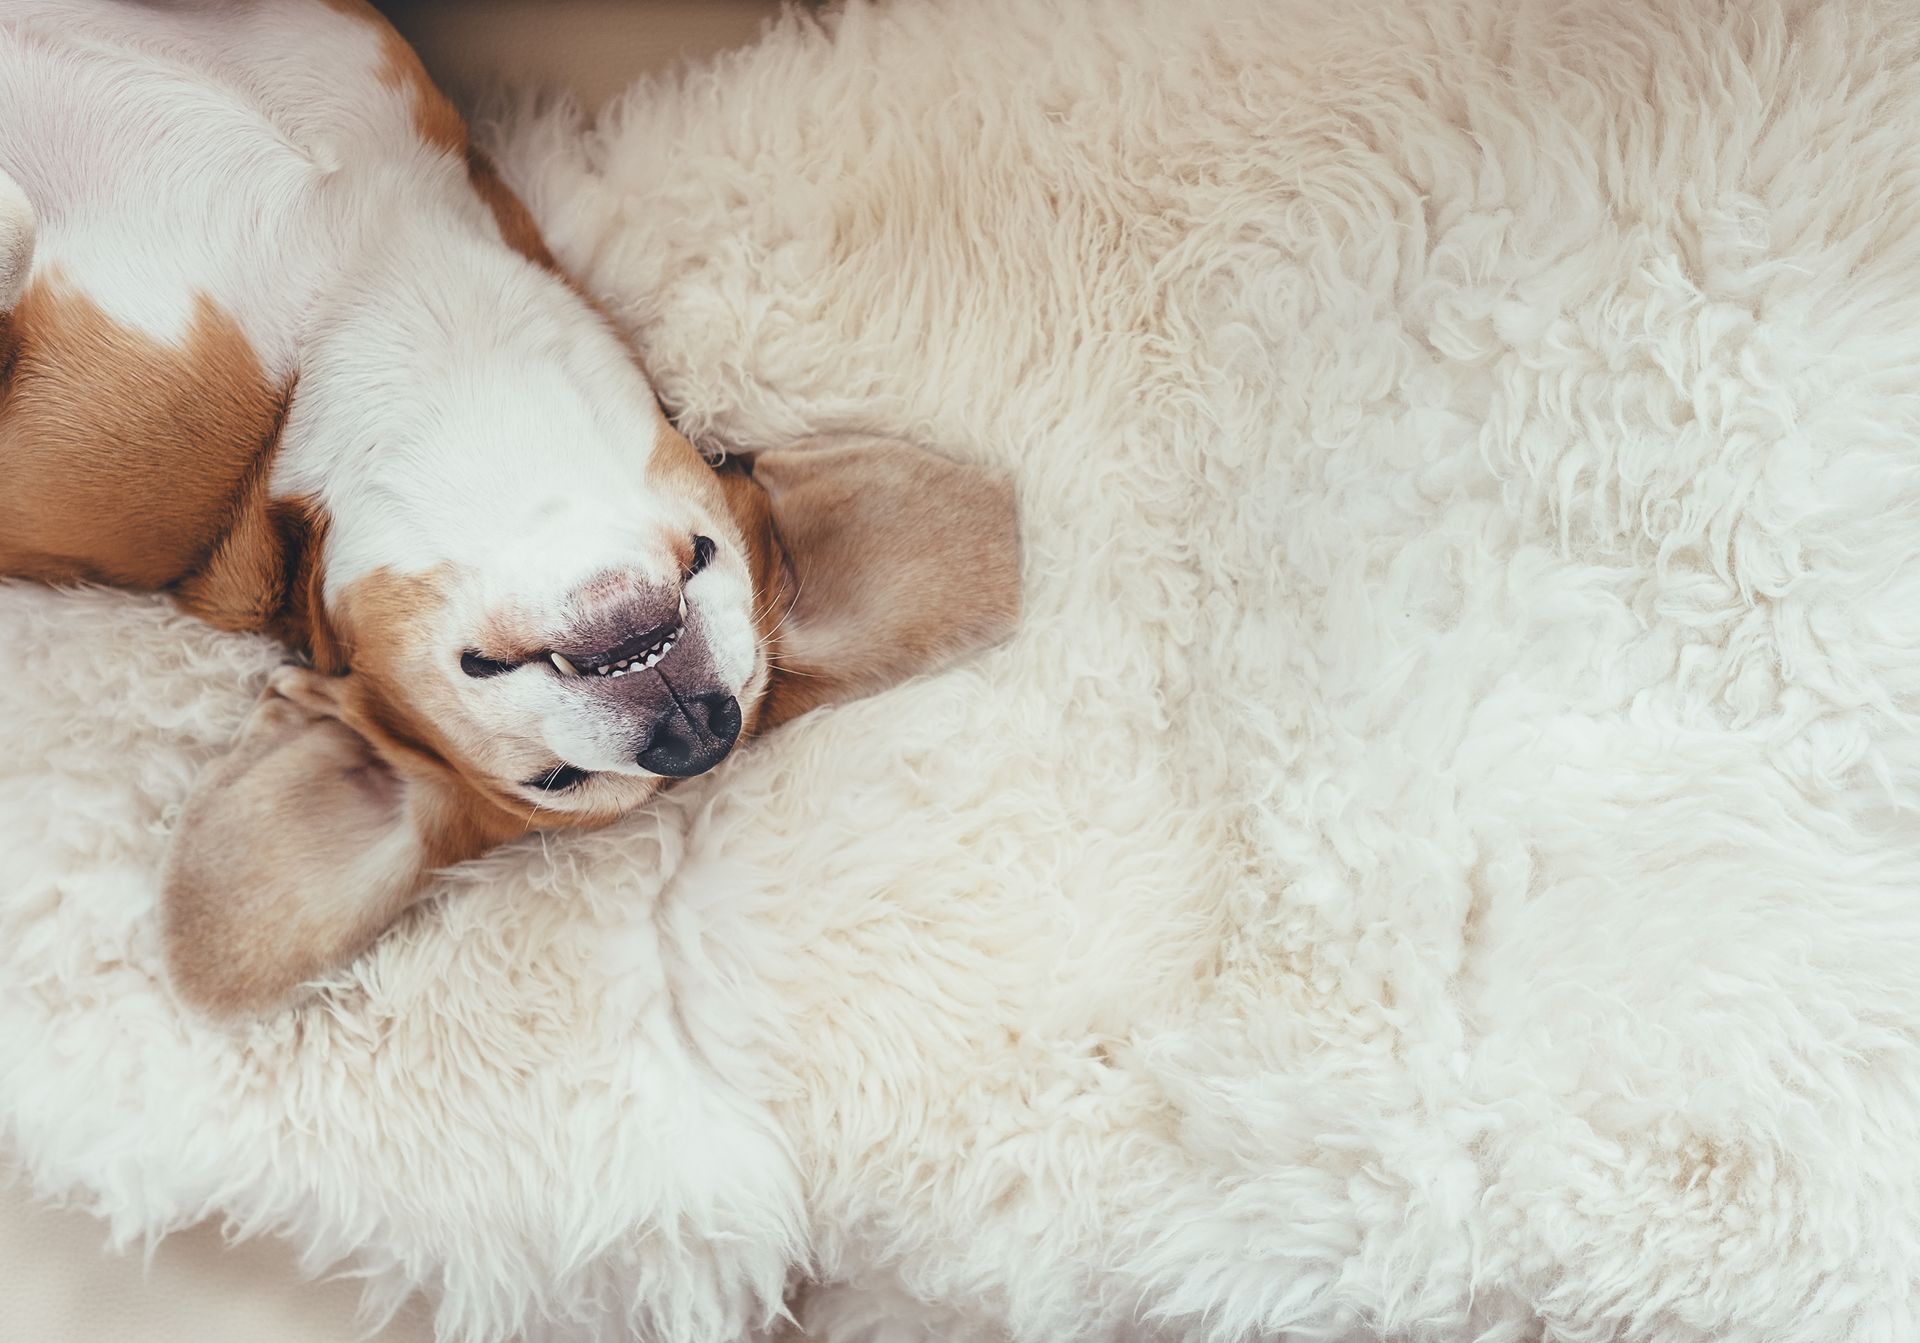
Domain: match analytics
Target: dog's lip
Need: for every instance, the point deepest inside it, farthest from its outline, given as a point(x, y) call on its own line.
point(638, 652)
point(634, 645)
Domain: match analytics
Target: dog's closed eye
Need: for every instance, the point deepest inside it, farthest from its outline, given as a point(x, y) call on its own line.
point(559, 779)
point(477, 666)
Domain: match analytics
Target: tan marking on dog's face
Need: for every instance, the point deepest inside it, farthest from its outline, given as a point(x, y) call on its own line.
point(393, 695)
point(680, 471)
point(396, 694)
point(126, 460)
point(438, 122)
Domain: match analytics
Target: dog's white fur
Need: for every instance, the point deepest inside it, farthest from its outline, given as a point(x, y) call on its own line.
point(1439, 860)
point(16, 240)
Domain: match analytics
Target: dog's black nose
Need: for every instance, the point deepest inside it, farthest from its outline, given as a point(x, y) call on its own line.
point(693, 742)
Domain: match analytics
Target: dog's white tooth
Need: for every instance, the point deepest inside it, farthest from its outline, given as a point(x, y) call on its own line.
point(602, 670)
point(564, 667)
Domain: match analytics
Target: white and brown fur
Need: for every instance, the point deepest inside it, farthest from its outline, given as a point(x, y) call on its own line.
point(276, 339)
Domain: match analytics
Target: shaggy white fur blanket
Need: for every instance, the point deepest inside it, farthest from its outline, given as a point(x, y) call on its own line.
point(1441, 858)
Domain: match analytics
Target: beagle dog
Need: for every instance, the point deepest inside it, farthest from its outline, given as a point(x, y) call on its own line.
point(276, 339)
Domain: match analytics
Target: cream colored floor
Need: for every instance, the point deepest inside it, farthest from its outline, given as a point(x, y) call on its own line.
point(57, 1284)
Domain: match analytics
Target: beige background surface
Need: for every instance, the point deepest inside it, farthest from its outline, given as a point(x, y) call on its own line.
point(60, 1286)
point(592, 47)
point(57, 1283)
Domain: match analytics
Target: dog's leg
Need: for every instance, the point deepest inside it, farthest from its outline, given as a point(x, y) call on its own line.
point(16, 241)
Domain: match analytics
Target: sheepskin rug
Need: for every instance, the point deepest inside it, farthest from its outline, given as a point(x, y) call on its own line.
point(1439, 862)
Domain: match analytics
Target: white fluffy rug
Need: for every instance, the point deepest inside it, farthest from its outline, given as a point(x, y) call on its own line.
point(1441, 859)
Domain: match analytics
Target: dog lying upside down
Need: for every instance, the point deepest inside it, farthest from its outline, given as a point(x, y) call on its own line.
point(276, 339)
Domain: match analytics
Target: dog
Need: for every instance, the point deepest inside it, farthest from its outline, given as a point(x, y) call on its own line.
point(277, 340)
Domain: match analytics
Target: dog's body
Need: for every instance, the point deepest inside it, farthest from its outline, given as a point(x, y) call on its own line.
point(275, 339)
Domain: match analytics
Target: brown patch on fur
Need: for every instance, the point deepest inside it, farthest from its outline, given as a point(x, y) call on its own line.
point(128, 461)
point(434, 116)
point(440, 125)
point(509, 211)
point(681, 471)
point(300, 528)
point(390, 696)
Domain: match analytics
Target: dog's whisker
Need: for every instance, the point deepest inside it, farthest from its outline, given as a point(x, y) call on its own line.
point(786, 615)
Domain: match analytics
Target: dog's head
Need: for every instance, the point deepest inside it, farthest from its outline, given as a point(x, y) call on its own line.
point(556, 666)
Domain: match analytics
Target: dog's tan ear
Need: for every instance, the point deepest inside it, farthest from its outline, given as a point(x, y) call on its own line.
point(297, 850)
point(900, 562)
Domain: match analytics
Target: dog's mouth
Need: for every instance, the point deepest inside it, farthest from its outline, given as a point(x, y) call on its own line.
point(637, 652)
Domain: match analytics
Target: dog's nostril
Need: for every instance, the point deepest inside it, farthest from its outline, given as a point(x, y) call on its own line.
point(723, 716)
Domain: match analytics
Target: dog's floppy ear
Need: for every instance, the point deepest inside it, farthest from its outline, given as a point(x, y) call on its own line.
point(898, 562)
point(296, 852)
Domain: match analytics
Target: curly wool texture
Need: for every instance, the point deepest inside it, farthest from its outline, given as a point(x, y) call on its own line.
point(1438, 860)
